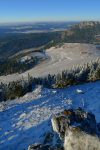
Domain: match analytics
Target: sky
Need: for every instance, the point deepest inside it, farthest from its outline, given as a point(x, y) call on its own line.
point(49, 10)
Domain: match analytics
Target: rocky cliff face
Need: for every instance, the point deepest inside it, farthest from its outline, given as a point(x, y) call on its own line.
point(72, 130)
point(85, 24)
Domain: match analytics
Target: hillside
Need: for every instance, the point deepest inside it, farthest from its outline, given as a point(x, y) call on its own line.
point(26, 120)
point(59, 58)
point(84, 32)
point(15, 46)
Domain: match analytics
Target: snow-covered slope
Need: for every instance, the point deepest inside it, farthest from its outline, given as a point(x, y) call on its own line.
point(24, 121)
point(59, 59)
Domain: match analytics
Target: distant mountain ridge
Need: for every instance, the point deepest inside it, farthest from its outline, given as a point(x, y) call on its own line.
point(88, 24)
point(84, 32)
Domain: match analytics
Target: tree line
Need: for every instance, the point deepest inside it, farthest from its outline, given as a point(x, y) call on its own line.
point(11, 66)
point(89, 72)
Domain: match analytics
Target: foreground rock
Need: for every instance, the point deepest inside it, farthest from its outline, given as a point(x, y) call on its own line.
point(78, 119)
point(44, 147)
point(72, 130)
point(78, 140)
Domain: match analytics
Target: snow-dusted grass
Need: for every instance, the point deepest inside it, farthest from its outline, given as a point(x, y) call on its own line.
point(24, 121)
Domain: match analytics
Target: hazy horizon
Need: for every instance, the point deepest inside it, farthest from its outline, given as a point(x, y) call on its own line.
point(21, 11)
point(30, 22)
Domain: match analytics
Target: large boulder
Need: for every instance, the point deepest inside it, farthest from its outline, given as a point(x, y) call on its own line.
point(72, 130)
point(78, 118)
point(77, 129)
point(79, 140)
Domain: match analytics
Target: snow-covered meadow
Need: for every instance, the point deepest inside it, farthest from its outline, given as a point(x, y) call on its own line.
point(25, 121)
point(59, 58)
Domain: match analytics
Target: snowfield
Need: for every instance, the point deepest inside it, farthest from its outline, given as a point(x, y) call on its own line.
point(59, 58)
point(24, 121)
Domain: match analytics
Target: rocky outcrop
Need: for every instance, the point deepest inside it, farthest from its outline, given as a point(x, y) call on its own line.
point(72, 130)
point(79, 140)
point(85, 24)
point(44, 147)
point(78, 129)
point(78, 119)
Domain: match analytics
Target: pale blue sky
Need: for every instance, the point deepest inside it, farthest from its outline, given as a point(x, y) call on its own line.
point(49, 10)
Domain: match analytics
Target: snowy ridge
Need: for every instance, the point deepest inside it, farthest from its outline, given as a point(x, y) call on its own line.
point(24, 121)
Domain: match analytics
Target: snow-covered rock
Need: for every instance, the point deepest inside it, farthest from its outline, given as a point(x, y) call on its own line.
point(77, 119)
point(78, 140)
point(78, 129)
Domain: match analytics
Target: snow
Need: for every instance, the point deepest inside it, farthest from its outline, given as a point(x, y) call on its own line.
point(24, 121)
point(57, 60)
point(79, 91)
point(25, 58)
